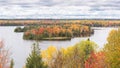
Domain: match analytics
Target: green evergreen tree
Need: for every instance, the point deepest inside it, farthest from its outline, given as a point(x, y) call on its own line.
point(35, 60)
point(12, 64)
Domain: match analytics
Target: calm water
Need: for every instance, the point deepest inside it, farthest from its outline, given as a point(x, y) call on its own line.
point(20, 48)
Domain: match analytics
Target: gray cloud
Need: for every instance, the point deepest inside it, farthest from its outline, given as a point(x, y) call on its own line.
point(59, 8)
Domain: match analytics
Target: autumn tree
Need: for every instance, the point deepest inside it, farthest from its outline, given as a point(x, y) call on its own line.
point(112, 49)
point(85, 48)
point(71, 57)
point(49, 54)
point(96, 60)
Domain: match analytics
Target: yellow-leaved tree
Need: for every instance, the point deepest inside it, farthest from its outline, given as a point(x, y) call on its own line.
point(70, 57)
point(112, 49)
point(49, 54)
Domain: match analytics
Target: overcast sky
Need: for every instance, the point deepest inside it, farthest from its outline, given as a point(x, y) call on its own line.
point(59, 9)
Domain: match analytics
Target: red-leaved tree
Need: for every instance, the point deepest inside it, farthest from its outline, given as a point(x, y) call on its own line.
point(96, 60)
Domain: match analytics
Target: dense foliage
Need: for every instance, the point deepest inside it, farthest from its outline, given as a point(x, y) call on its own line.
point(57, 32)
point(96, 60)
point(35, 60)
point(19, 29)
point(112, 49)
point(23, 29)
point(71, 57)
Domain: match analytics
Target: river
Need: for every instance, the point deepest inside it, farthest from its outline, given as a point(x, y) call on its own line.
point(20, 48)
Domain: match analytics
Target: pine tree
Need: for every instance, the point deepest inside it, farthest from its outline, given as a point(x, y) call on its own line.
point(35, 60)
point(12, 64)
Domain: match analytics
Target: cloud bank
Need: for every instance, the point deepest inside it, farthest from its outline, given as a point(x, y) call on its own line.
point(59, 9)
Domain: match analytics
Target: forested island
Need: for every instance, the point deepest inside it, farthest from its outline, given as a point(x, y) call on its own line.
point(57, 32)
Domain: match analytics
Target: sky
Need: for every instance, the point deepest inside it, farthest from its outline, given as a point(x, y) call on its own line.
point(59, 9)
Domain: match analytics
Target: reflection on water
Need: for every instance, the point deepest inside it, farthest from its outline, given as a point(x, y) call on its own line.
point(21, 48)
